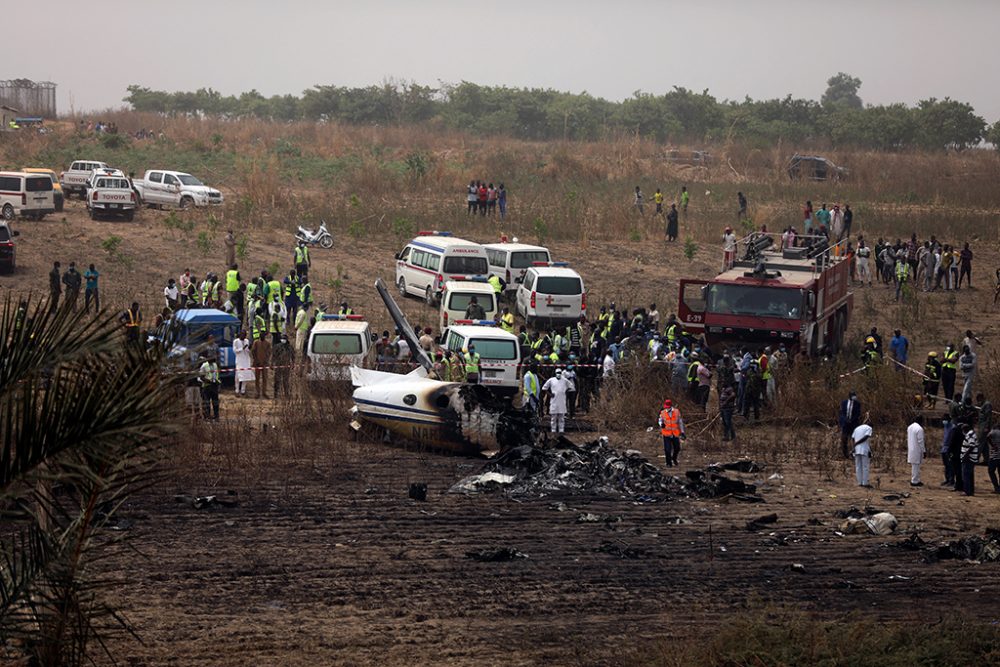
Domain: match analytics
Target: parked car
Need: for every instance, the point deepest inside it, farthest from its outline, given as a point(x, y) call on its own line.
point(8, 249)
point(159, 187)
point(815, 168)
point(57, 191)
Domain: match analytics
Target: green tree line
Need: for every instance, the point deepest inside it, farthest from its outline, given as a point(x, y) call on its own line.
point(840, 118)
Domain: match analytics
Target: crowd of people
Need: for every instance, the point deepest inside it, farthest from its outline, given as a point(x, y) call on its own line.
point(484, 199)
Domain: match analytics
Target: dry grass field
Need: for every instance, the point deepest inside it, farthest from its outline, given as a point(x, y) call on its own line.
point(325, 560)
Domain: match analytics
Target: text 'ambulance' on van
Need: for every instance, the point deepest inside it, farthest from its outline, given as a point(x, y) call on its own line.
point(423, 266)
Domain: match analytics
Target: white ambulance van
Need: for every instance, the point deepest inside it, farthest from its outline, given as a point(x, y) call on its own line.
point(509, 261)
point(499, 354)
point(551, 294)
point(336, 343)
point(423, 266)
point(458, 294)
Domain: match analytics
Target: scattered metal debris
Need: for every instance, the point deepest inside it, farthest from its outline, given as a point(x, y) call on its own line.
point(979, 549)
point(761, 521)
point(203, 502)
point(623, 551)
point(588, 517)
point(881, 523)
point(495, 555)
point(743, 465)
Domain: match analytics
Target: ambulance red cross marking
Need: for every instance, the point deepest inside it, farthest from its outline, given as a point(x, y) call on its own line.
point(549, 300)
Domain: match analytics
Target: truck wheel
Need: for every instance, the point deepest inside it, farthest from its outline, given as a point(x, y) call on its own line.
point(8, 212)
point(402, 287)
point(429, 296)
point(326, 242)
point(186, 203)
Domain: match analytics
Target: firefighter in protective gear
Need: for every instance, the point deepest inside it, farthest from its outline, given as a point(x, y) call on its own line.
point(949, 369)
point(672, 430)
point(932, 373)
point(869, 355)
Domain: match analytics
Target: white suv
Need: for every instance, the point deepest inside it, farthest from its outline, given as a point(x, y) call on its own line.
point(551, 294)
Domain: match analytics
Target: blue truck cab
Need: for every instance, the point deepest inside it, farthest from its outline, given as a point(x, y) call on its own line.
point(186, 335)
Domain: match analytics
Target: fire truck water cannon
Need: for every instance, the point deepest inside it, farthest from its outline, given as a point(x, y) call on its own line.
point(756, 246)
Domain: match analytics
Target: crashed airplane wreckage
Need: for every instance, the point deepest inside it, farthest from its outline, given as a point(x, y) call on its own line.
point(451, 416)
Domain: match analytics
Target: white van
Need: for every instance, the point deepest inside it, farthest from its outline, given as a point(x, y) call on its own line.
point(499, 355)
point(553, 294)
point(510, 260)
point(458, 294)
point(423, 266)
point(27, 195)
point(336, 343)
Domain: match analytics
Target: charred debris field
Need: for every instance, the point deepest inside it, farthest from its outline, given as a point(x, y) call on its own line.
point(512, 561)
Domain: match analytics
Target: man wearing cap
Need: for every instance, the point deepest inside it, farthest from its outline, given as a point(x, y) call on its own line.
point(672, 430)
point(849, 418)
point(557, 386)
point(932, 375)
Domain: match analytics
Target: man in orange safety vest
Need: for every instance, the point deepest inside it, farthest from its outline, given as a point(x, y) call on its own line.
point(672, 430)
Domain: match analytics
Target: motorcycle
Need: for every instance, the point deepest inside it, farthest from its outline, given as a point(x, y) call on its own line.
point(320, 237)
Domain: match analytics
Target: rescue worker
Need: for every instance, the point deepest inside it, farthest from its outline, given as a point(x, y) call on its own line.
point(302, 326)
point(673, 330)
point(471, 358)
point(869, 355)
point(672, 430)
point(558, 387)
point(233, 280)
point(949, 369)
point(291, 290)
point(273, 290)
point(932, 374)
point(132, 320)
point(507, 320)
point(302, 260)
point(902, 275)
point(305, 293)
point(497, 285)
point(320, 312)
point(208, 377)
point(345, 309)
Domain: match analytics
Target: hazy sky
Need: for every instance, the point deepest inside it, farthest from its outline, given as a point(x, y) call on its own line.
point(903, 50)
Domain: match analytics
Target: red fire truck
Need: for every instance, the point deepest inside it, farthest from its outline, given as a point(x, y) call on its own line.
point(797, 296)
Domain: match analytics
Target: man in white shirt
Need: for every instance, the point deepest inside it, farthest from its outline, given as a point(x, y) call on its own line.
point(915, 449)
point(728, 249)
point(860, 438)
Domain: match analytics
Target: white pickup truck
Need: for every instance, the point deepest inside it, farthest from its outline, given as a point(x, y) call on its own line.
point(76, 177)
point(175, 189)
point(109, 192)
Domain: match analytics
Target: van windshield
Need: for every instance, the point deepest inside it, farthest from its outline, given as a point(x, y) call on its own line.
point(490, 348)
point(336, 343)
point(460, 301)
point(524, 259)
point(473, 266)
point(750, 300)
point(198, 334)
point(38, 184)
point(564, 285)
